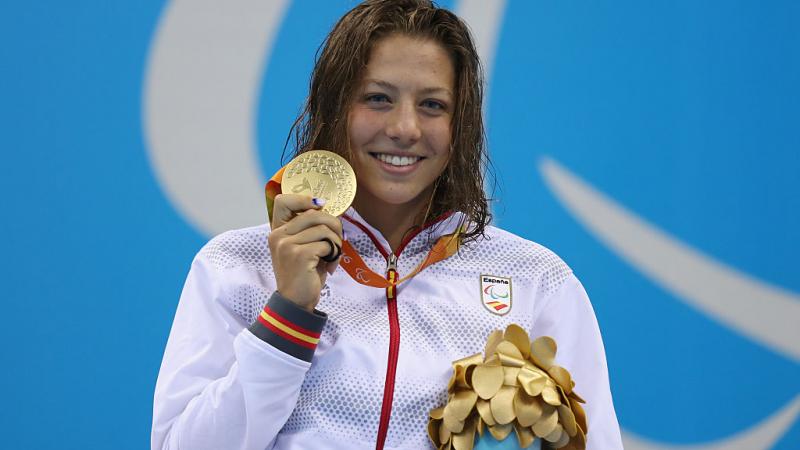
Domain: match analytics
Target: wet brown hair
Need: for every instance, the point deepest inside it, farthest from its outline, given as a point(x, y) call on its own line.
point(337, 74)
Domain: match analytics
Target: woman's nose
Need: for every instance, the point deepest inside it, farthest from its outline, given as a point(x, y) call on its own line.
point(403, 126)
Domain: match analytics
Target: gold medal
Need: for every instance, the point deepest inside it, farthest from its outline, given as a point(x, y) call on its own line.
point(321, 174)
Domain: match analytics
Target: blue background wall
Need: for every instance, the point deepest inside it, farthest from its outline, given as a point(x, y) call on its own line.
point(684, 113)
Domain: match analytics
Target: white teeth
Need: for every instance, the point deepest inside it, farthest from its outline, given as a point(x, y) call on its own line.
point(397, 160)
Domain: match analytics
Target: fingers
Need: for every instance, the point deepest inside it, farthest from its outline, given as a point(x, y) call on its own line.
point(287, 206)
point(298, 244)
point(309, 245)
point(317, 233)
point(334, 252)
point(320, 249)
point(311, 219)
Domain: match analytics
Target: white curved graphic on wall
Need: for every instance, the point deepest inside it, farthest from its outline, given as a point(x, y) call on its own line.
point(765, 313)
point(484, 19)
point(200, 100)
point(760, 437)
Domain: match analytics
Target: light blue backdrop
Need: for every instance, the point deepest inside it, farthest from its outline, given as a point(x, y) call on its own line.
point(683, 114)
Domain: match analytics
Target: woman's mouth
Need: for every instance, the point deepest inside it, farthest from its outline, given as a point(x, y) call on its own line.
point(395, 160)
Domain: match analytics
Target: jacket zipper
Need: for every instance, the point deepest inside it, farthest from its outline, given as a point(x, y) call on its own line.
point(394, 322)
point(394, 350)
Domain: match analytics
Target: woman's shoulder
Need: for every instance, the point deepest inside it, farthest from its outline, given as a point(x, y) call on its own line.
point(240, 247)
point(500, 240)
point(506, 252)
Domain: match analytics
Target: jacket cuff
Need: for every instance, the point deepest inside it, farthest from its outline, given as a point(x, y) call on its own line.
point(289, 328)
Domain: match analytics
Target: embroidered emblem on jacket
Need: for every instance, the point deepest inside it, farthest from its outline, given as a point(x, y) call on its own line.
point(496, 294)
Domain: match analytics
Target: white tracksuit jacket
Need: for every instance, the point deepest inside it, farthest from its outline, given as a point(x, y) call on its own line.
point(229, 382)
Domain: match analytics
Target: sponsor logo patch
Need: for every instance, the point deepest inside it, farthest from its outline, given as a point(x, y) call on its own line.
point(496, 294)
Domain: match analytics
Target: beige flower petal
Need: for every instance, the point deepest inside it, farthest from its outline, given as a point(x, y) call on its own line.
point(433, 431)
point(543, 351)
point(574, 395)
point(505, 348)
point(452, 424)
point(527, 408)
point(461, 378)
point(547, 423)
point(550, 396)
point(471, 360)
point(487, 380)
point(567, 419)
point(533, 367)
point(460, 405)
point(562, 395)
point(579, 441)
point(485, 411)
point(451, 384)
point(510, 361)
point(444, 433)
point(464, 376)
point(468, 376)
point(561, 442)
point(519, 337)
point(531, 381)
point(466, 438)
point(562, 377)
point(500, 432)
point(555, 435)
point(479, 425)
point(491, 342)
point(580, 414)
point(510, 375)
point(493, 360)
point(437, 413)
point(524, 436)
point(503, 405)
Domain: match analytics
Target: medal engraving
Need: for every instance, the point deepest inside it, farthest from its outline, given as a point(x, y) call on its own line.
point(322, 174)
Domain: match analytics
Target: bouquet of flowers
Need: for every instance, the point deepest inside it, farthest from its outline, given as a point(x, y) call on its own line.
point(515, 385)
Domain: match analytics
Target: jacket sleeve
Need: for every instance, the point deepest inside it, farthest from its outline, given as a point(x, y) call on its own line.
point(222, 384)
point(567, 316)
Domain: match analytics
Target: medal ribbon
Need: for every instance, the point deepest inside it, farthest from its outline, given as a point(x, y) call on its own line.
point(271, 190)
point(445, 247)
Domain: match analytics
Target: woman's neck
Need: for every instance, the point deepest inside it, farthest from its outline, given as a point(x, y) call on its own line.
point(393, 221)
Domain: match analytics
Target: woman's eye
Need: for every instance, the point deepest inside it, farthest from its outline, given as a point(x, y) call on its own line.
point(433, 104)
point(377, 98)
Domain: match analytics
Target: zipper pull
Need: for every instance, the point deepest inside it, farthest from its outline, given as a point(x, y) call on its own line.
point(391, 276)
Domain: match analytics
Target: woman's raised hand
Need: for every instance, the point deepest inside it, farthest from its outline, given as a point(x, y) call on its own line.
point(298, 243)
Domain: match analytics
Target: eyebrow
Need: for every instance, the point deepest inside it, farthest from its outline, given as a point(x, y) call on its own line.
point(391, 87)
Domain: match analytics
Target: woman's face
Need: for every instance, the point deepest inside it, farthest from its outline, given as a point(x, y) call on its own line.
point(399, 123)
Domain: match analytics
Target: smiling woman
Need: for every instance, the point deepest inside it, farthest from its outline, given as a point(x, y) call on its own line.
point(400, 132)
point(253, 362)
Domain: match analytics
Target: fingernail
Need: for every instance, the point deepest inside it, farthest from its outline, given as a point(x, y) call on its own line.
point(320, 202)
